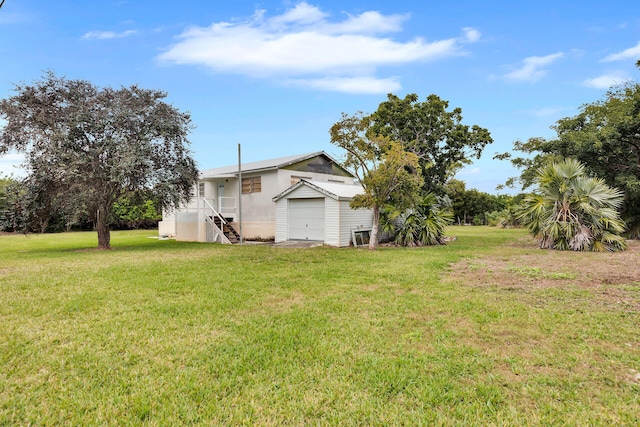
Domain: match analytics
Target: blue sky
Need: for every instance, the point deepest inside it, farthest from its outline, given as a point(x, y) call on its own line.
point(274, 76)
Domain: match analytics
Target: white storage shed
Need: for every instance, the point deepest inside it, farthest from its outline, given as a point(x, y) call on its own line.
point(320, 211)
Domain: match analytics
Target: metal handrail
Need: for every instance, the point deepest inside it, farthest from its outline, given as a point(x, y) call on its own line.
point(218, 232)
point(215, 212)
point(222, 204)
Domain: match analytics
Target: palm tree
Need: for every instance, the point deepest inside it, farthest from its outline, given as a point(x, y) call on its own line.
point(573, 211)
point(421, 225)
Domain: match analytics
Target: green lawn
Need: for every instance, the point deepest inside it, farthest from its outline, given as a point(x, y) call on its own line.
point(168, 333)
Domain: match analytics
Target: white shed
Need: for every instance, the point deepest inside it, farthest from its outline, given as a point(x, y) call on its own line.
point(320, 211)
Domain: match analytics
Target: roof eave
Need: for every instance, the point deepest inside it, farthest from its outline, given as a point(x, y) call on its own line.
point(300, 184)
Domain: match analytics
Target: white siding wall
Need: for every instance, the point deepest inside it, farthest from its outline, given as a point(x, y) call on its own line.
point(304, 192)
point(331, 221)
point(282, 220)
point(352, 219)
point(339, 218)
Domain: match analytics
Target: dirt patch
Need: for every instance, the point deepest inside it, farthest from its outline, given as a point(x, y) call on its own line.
point(614, 277)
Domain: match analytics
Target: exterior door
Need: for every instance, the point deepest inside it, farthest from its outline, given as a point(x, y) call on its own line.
point(220, 194)
point(306, 219)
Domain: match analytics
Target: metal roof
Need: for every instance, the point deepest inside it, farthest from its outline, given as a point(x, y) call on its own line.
point(280, 162)
point(334, 190)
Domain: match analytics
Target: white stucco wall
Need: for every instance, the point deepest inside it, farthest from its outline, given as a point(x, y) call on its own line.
point(167, 227)
point(187, 229)
point(260, 206)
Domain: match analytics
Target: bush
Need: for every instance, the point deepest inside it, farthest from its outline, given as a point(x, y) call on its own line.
point(573, 211)
point(421, 225)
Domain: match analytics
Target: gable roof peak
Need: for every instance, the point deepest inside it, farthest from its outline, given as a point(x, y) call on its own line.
point(269, 164)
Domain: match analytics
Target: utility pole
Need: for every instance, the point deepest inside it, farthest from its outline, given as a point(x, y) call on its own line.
point(240, 193)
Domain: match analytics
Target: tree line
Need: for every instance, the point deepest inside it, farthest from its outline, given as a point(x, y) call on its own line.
point(100, 157)
point(587, 179)
point(18, 213)
point(604, 137)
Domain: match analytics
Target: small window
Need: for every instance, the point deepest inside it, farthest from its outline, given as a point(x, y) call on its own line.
point(201, 189)
point(251, 185)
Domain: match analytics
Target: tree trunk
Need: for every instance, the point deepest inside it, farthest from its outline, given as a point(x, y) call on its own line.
point(373, 238)
point(102, 227)
point(44, 224)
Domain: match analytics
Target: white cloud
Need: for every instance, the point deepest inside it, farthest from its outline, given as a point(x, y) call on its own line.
point(302, 14)
point(355, 85)
point(471, 34)
point(631, 53)
point(370, 22)
point(302, 47)
point(105, 35)
point(606, 81)
point(532, 68)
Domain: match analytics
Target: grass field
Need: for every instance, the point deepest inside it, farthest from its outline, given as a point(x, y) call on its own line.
point(487, 330)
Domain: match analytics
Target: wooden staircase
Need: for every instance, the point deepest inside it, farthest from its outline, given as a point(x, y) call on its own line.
point(226, 228)
point(218, 228)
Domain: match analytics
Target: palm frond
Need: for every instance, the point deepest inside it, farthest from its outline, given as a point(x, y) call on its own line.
point(573, 211)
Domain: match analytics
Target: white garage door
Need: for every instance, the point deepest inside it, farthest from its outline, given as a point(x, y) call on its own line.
point(306, 219)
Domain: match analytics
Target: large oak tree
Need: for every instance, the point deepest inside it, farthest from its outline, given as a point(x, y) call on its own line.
point(86, 146)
